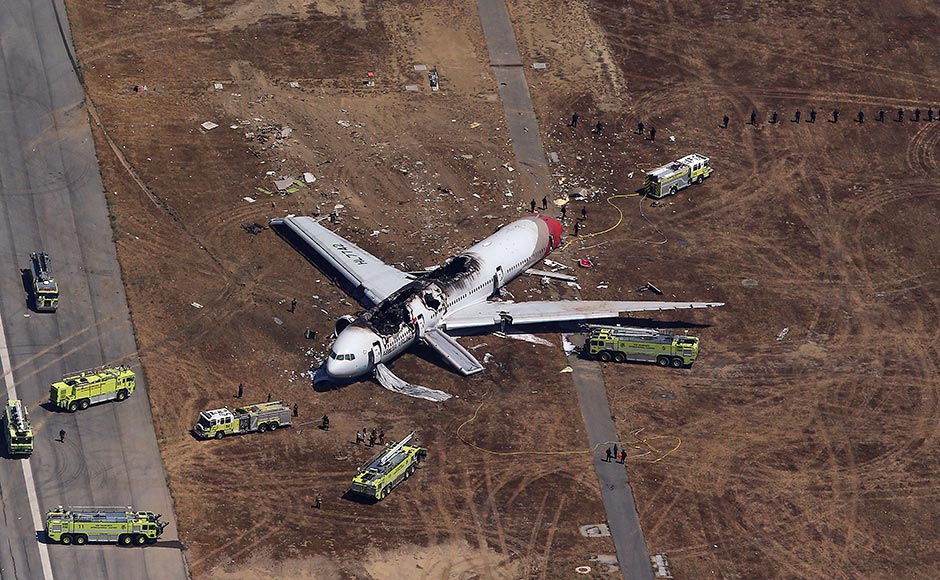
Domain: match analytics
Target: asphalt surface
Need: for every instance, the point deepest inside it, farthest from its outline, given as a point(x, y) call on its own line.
point(51, 198)
point(622, 516)
point(514, 93)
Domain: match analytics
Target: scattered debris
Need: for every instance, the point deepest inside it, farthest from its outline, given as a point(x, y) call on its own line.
point(783, 333)
point(218, 86)
point(140, 88)
point(254, 228)
point(666, 395)
point(488, 358)
point(309, 178)
point(540, 65)
point(208, 125)
point(567, 369)
point(283, 184)
point(749, 282)
point(509, 167)
point(585, 263)
point(574, 285)
point(196, 305)
point(879, 296)
point(583, 569)
point(531, 338)
point(653, 289)
point(595, 530)
point(294, 85)
point(310, 334)
point(421, 67)
point(561, 201)
point(553, 157)
point(343, 123)
point(250, 199)
point(412, 88)
point(544, 274)
point(278, 321)
point(285, 132)
point(682, 243)
point(474, 125)
point(630, 175)
point(672, 138)
point(569, 346)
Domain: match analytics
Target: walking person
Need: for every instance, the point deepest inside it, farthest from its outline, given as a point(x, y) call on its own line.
point(574, 120)
point(608, 455)
point(269, 397)
point(652, 133)
point(577, 228)
point(318, 504)
point(372, 439)
point(724, 122)
point(61, 435)
point(564, 211)
point(325, 423)
point(293, 305)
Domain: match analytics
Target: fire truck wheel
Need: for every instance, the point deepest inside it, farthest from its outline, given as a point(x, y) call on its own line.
point(380, 493)
point(273, 426)
point(677, 363)
point(81, 539)
point(140, 540)
point(619, 357)
point(65, 539)
point(124, 540)
point(73, 406)
point(83, 404)
point(219, 434)
point(673, 190)
point(121, 395)
point(699, 179)
point(604, 356)
point(662, 361)
point(262, 427)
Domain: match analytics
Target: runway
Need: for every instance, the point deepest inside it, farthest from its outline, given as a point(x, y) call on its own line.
point(52, 199)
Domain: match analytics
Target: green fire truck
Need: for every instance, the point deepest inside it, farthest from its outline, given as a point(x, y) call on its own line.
point(45, 291)
point(19, 435)
point(79, 390)
point(620, 344)
point(679, 174)
point(389, 468)
point(80, 525)
point(260, 417)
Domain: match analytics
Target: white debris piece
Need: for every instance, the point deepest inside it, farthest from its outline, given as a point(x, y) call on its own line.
point(196, 305)
point(487, 358)
point(218, 86)
point(249, 199)
point(283, 184)
point(285, 132)
point(309, 178)
point(567, 344)
point(209, 125)
point(672, 138)
point(344, 123)
point(525, 338)
point(540, 65)
point(783, 333)
point(421, 67)
point(412, 88)
point(294, 85)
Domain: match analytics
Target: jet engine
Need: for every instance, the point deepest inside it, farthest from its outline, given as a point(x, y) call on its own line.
point(342, 322)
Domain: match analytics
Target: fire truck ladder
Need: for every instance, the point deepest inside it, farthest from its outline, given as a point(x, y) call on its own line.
point(17, 417)
point(394, 449)
point(626, 331)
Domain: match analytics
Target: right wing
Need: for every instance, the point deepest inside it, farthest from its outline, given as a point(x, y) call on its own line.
point(493, 313)
point(366, 273)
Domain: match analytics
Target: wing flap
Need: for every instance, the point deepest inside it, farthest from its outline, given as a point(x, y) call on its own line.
point(366, 273)
point(491, 313)
point(455, 354)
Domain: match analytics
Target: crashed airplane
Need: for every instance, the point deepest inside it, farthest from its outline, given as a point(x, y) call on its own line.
point(404, 308)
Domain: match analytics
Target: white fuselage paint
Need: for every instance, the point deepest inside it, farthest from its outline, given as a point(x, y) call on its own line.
point(392, 326)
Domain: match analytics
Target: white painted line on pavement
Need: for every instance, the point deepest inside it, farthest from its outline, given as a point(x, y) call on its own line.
point(38, 522)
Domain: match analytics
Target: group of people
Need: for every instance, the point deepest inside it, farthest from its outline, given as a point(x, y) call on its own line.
point(361, 437)
point(859, 118)
point(617, 455)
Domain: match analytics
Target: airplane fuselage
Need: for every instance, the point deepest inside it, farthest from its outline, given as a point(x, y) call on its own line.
point(385, 331)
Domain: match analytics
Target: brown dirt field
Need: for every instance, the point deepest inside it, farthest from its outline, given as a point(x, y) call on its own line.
point(813, 456)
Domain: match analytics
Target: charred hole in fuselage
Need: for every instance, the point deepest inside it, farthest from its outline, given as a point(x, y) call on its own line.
point(454, 271)
point(430, 301)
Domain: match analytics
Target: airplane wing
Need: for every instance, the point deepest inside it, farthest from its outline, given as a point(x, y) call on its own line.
point(366, 273)
point(492, 313)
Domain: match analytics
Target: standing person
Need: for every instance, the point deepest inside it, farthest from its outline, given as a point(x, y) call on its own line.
point(545, 202)
point(608, 455)
point(724, 122)
point(835, 115)
point(861, 116)
point(812, 116)
point(773, 118)
point(382, 437)
point(564, 211)
point(930, 115)
point(574, 120)
point(796, 116)
point(241, 391)
point(325, 423)
point(317, 504)
point(753, 117)
point(900, 116)
point(61, 435)
point(652, 133)
point(599, 127)
point(616, 454)
point(640, 127)
point(577, 227)
point(269, 397)
point(623, 456)
point(293, 305)
point(295, 409)
point(583, 213)
point(358, 437)
point(372, 439)
point(916, 115)
point(532, 206)
point(881, 116)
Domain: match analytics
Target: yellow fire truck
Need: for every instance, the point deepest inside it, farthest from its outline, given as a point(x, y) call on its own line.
point(45, 291)
point(259, 417)
point(679, 174)
point(19, 435)
point(81, 525)
point(389, 468)
point(620, 344)
point(79, 390)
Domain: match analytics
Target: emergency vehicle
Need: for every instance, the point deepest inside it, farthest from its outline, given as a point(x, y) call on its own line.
point(80, 389)
point(389, 468)
point(19, 435)
point(80, 525)
point(260, 417)
point(45, 291)
point(679, 174)
point(620, 344)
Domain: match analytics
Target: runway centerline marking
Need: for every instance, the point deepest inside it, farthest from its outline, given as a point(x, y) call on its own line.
point(38, 523)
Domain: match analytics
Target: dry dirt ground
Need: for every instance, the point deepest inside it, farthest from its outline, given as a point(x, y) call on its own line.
point(812, 456)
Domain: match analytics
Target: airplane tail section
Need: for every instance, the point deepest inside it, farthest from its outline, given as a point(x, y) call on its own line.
point(459, 357)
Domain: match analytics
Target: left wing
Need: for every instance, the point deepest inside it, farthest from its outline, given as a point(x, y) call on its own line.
point(490, 313)
point(366, 273)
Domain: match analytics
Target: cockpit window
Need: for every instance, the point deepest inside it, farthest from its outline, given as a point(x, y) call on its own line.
point(335, 356)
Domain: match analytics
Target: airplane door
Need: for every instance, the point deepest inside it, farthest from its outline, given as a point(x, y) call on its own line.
point(419, 325)
point(375, 355)
point(497, 280)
